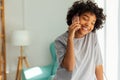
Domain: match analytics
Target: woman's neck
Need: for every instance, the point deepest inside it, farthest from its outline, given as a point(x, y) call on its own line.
point(77, 35)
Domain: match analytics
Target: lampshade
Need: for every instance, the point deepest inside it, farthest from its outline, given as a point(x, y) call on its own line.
point(20, 38)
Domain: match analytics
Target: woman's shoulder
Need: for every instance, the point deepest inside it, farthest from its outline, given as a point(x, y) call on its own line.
point(63, 36)
point(92, 36)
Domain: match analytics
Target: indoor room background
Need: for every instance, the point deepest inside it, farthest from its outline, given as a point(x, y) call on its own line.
point(45, 20)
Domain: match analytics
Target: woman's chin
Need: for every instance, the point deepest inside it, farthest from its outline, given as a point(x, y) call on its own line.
point(83, 32)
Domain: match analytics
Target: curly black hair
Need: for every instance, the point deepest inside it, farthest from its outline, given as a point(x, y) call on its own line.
point(80, 7)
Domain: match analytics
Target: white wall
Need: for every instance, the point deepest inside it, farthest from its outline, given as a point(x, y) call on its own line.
point(44, 19)
point(13, 21)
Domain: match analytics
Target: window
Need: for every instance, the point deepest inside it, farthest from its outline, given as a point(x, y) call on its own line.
point(108, 38)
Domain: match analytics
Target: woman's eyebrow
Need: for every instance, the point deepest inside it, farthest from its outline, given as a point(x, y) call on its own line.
point(86, 15)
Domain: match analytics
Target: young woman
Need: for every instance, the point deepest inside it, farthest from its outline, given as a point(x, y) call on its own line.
point(78, 52)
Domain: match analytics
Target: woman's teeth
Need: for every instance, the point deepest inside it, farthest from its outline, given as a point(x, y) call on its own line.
point(84, 28)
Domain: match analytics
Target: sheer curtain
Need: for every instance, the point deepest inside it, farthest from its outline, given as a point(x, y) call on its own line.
point(119, 41)
point(112, 39)
point(108, 38)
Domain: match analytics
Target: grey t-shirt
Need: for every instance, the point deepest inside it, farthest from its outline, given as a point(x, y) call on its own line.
point(87, 56)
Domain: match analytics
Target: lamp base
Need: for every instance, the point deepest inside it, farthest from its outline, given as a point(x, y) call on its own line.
point(20, 66)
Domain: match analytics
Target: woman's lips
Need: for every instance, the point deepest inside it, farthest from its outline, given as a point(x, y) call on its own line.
point(85, 28)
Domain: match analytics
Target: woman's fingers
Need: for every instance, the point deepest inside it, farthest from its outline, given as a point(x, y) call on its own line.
point(75, 22)
point(77, 27)
point(74, 26)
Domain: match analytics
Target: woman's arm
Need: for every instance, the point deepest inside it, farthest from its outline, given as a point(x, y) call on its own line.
point(99, 72)
point(69, 58)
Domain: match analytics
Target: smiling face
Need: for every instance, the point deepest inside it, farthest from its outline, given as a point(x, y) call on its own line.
point(87, 21)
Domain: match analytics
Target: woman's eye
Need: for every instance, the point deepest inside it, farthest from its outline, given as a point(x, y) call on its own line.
point(93, 23)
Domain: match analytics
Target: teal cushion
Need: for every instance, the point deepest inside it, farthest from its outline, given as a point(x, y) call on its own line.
point(53, 53)
point(46, 73)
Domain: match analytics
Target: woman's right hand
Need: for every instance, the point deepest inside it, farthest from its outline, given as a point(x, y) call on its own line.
point(74, 27)
point(69, 58)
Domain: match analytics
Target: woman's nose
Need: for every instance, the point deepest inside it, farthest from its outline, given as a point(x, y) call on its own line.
point(87, 24)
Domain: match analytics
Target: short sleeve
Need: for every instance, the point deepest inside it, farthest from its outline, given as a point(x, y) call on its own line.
point(98, 55)
point(60, 51)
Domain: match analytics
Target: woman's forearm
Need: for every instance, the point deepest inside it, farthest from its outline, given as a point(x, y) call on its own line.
point(99, 72)
point(69, 58)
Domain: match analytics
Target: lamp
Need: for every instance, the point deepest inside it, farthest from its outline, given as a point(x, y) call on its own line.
point(20, 38)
